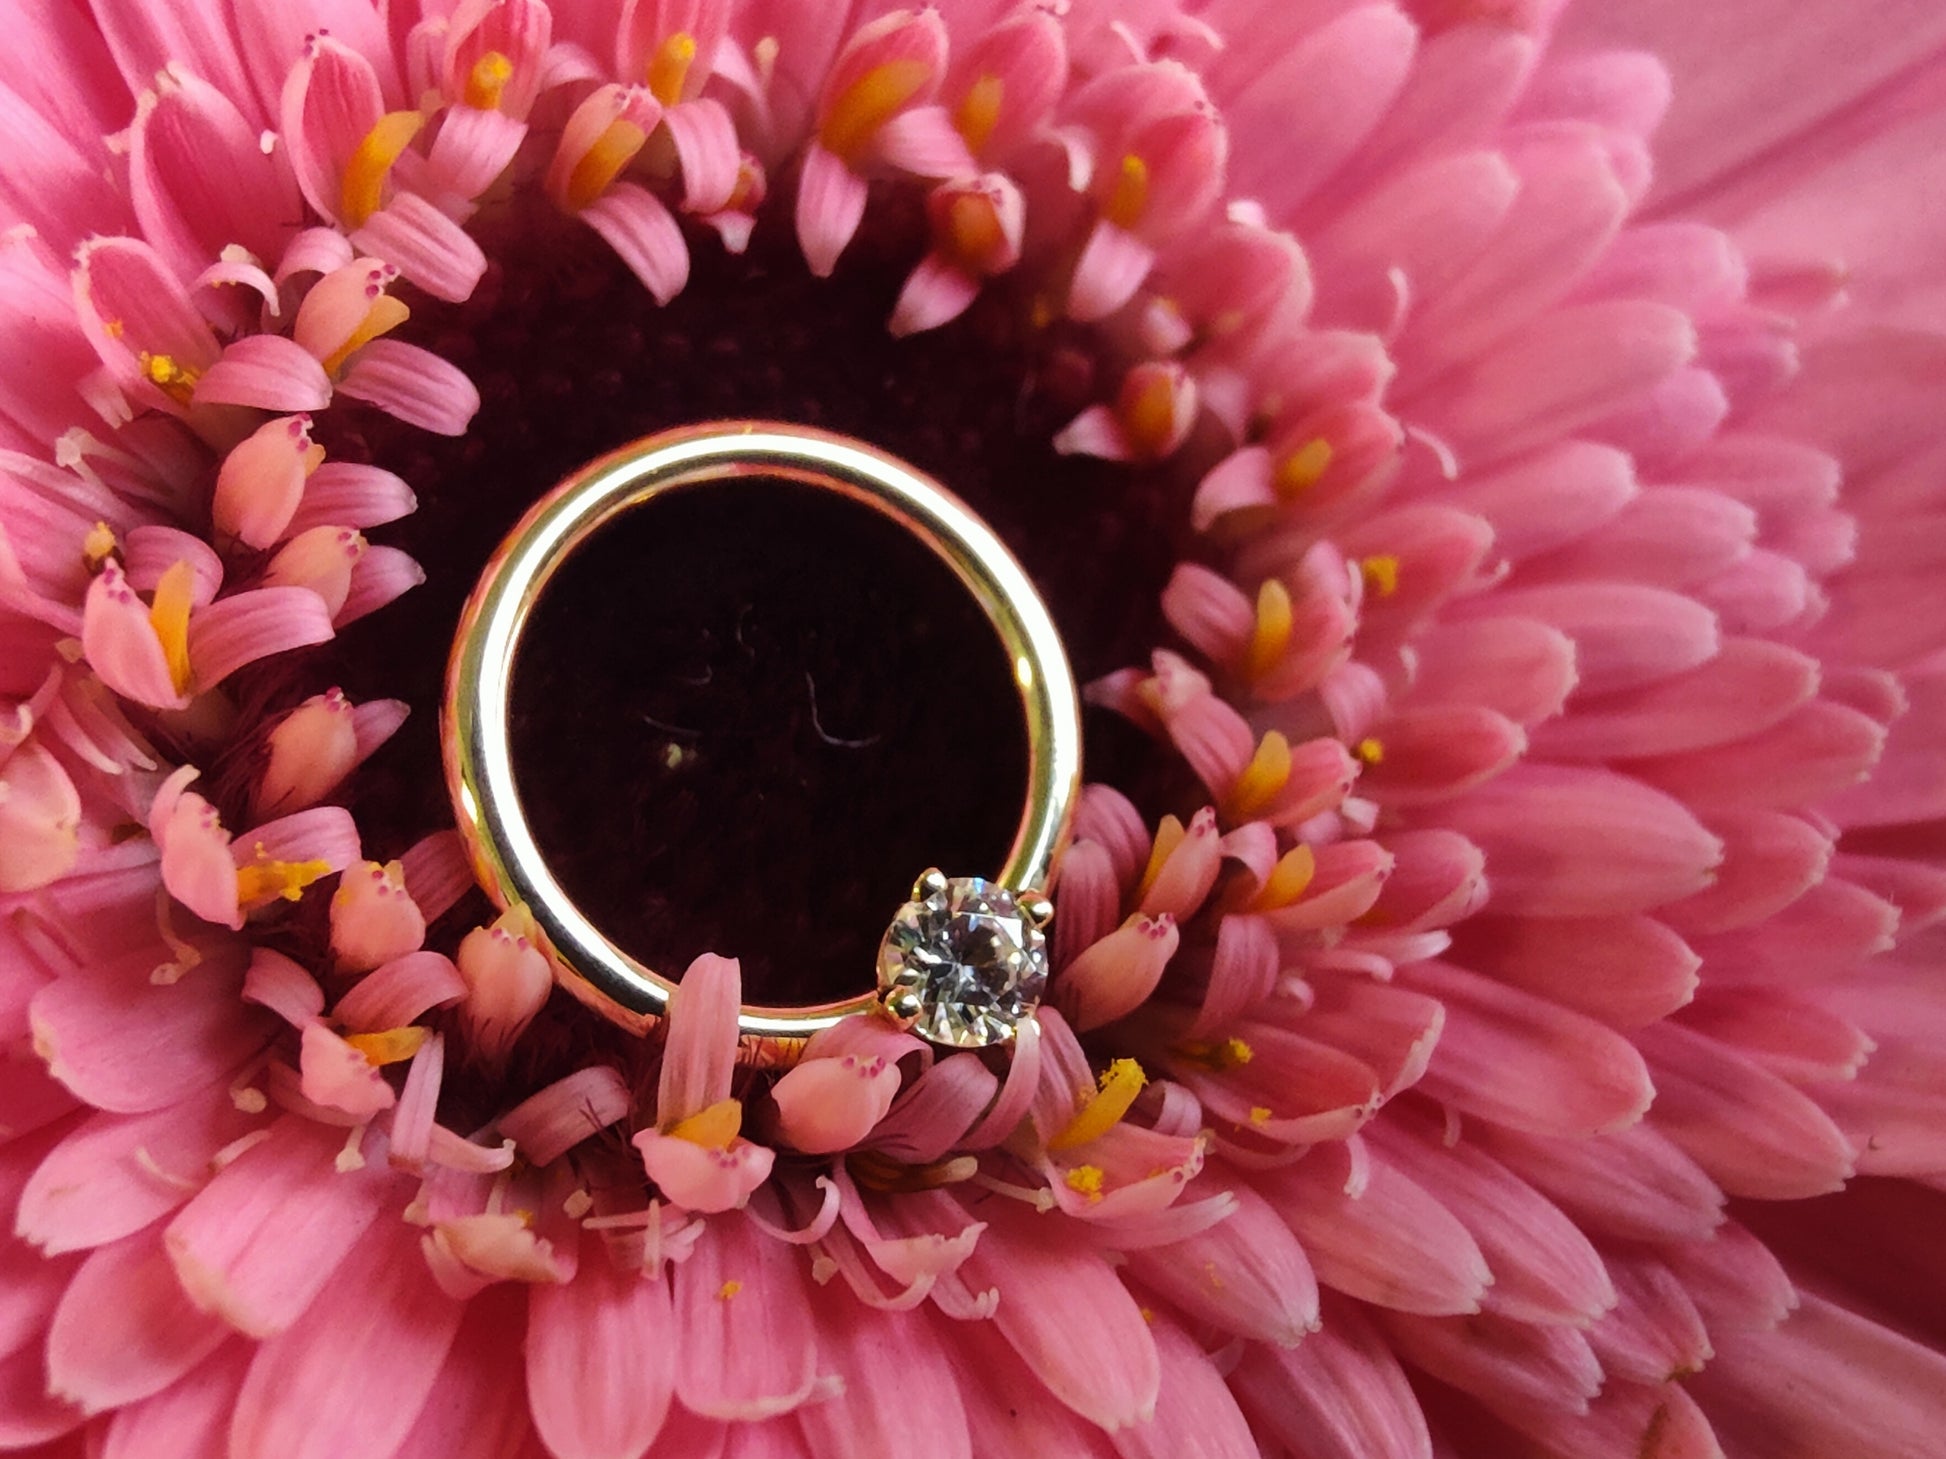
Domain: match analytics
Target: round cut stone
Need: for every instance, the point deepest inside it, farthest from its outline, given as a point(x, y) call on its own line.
point(963, 964)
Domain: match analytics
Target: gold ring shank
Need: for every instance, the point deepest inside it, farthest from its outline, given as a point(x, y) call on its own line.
point(474, 717)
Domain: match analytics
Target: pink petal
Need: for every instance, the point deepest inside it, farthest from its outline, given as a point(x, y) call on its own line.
point(113, 1175)
point(121, 643)
point(415, 385)
point(351, 1377)
point(427, 247)
point(246, 627)
point(1112, 266)
point(830, 206)
point(700, 1178)
point(1339, 1394)
point(266, 1236)
point(267, 372)
point(644, 235)
point(749, 1349)
point(825, 1105)
point(700, 1056)
point(547, 1125)
point(125, 1328)
point(344, 493)
point(140, 1046)
point(937, 292)
point(705, 140)
point(1518, 1060)
point(40, 817)
point(601, 1365)
point(1248, 1274)
point(923, 1413)
point(1565, 843)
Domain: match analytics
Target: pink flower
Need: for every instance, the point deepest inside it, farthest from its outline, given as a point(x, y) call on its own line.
point(1490, 455)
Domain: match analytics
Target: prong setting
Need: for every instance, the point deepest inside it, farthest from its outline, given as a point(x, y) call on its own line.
point(965, 961)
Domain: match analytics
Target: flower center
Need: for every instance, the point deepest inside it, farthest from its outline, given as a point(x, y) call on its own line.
point(753, 715)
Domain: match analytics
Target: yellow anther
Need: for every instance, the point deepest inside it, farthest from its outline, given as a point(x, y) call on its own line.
point(1381, 574)
point(1288, 879)
point(385, 315)
point(1271, 634)
point(1121, 1081)
point(175, 380)
point(1168, 836)
point(1148, 413)
point(1086, 1179)
point(869, 103)
point(602, 163)
point(669, 67)
point(169, 616)
point(713, 1128)
point(361, 191)
point(979, 113)
point(1259, 1114)
point(265, 879)
point(1301, 470)
point(1371, 750)
point(113, 328)
point(1130, 199)
point(1230, 1053)
point(487, 80)
point(974, 236)
point(98, 546)
point(1263, 779)
point(388, 1045)
point(728, 1290)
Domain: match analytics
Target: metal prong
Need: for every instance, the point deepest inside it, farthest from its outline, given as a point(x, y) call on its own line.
point(932, 881)
point(903, 1007)
point(1035, 908)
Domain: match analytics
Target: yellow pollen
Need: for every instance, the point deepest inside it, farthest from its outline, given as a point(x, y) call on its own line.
point(361, 191)
point(385, 315)
point(1148, 1313)
point(973, 231)
point(728, 1290)
point(264, 879)
point(602, 163)
point(669, 67)
point(713, 1128)
point(1300, 470)
point(113, 328)
point(1087, 1180)
point(1268, 772)
point(98, 546)
point(1229, 1054)
point(869, 103)
point(1259, 1114)
point(1381, 574)
point(389, 1045)
point(1149, 414)
point(979, 113)
point(1212, 1278)
point(1130, 199)
point(1121, 1081)
point(175, 380)
point(1168, 836)
point(487, 80)
point(169, 617)
point(1288, 879)
point(1371, 750)
point(1272, 633)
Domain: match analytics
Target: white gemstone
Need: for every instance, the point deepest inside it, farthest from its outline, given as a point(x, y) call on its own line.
point(963, 965)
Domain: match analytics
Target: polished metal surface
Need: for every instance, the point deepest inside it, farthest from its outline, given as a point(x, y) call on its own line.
point(474, 719)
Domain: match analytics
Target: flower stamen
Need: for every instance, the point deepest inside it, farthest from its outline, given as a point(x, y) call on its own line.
point(389, 1045)
point(1381, 574)
point(1130, 199)
point(1268, 772)
point(169, 616)
point(1121, 1082)
point(1301, 469)
point(488, 80)
point(266, 879)
point(362, 189)
point(869, 103)
point(602, 163)
point(713, 1128)
point(979, 113)
point(1271, 634)
point(175, 380)
point(669, 67)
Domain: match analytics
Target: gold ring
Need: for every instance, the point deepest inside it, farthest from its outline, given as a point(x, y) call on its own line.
point(965, 960)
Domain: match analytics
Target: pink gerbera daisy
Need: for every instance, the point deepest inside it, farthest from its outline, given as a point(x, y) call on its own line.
point(1496, 1005)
